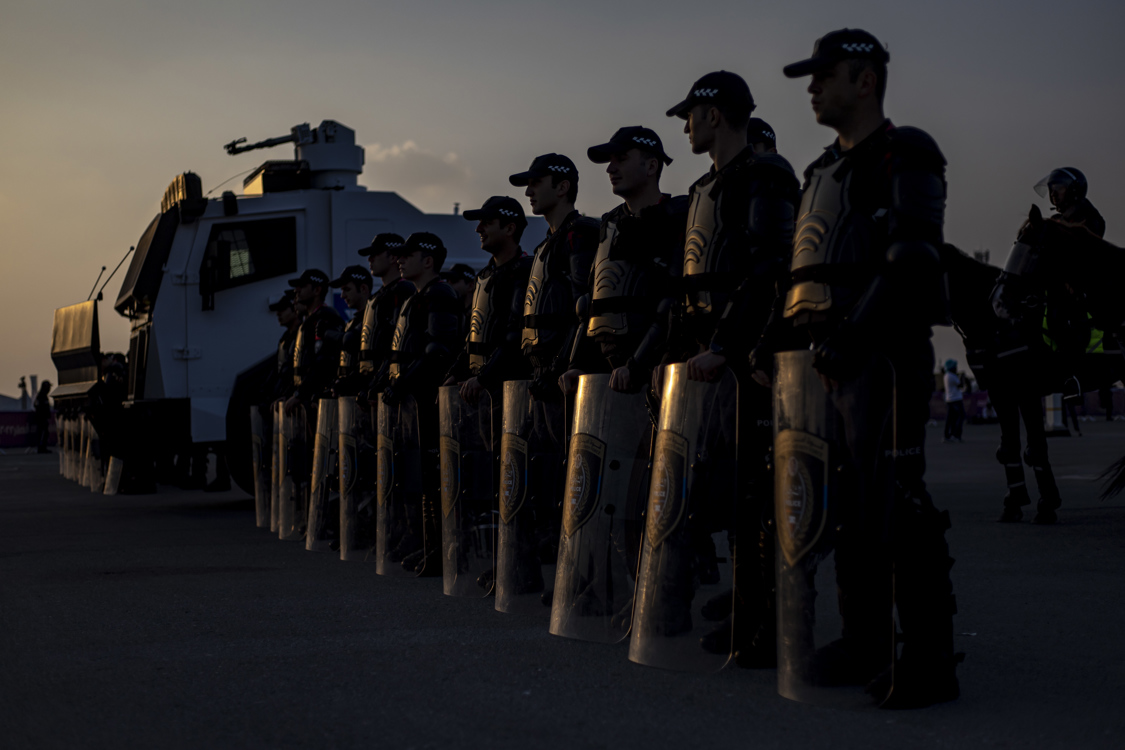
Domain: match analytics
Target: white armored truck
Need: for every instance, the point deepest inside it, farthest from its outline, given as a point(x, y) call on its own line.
point(198, 286)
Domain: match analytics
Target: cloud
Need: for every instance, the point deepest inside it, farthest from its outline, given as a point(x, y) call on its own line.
point(423, 176)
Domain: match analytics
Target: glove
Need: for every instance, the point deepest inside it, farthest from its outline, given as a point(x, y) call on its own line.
point(761, 358)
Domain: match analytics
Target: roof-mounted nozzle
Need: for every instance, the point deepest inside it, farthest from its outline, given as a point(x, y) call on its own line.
point(299, 135)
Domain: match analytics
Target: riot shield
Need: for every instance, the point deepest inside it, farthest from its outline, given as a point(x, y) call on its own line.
point(827, 506)
point(683, 611)
point(293, 476)
point(606, 489)
point(398, 531)
point(113, 475)
point(468, 509)
point(95, 479)
point(357, 461)
point(275, 464)
point(322, 521)
point(531, 479)
point(259, 442)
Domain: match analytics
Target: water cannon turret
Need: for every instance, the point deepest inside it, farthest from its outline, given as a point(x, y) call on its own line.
point(325, 157)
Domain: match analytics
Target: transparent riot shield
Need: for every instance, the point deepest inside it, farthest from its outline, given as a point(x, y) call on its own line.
point(293, 476)
point(606, 490)
point(259, 453)
point(323, 520)
point(398, 531)
point(275, 465)
point(357, 461)
point(828, 508)
point(532, 453)
point(468, 507)
point(683, 612)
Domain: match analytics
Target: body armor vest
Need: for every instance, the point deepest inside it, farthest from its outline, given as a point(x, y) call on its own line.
point(833, 248)
point(399, 355)
point(535, 302)
point(347, 360)
point(481, 323)
point(367, 337)
point(548, 306)
point(304, 351)
point(701, 255)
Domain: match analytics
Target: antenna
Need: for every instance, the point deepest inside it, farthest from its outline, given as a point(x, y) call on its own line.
point(95, 286)
point(131, 249)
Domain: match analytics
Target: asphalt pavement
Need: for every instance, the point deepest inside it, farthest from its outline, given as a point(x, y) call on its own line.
point(170, 621)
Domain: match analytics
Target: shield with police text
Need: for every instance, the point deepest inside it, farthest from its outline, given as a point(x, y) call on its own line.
point(683, 614)
point(468, 505)
point(357, 462)
point(398, 530)
point(827, 508)
point(323, 521)
point(291, 505)
point(607, 484)
point(530, 488)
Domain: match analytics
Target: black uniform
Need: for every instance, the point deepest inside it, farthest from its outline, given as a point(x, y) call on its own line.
point(380, 318)
point(489, 354)
point(638, 265)
point(315, 358)
point(425, 340)
point(544, 319)
point(865, 288)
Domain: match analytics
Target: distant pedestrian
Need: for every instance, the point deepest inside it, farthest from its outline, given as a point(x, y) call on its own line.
point(43, 415)
point(954, 403)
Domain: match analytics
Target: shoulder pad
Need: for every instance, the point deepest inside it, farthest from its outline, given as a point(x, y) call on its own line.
point(677, 205)
point(439, 290)
point(914, 143)
point(776, 161)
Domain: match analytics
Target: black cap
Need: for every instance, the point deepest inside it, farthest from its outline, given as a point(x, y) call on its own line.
point(759, 131)
point(427, 242)
point(357, 274)
point(633, 136)
point(498, 207)
point(383, 242)
point(459, 272)
point(310, 276)
point(545, 165)
point(284, 302)
point(721, 88)
point(845, 44)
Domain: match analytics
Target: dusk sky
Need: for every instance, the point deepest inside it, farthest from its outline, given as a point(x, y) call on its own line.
point(105, 102)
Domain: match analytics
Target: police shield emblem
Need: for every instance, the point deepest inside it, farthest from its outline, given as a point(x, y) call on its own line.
point(583, 480)
point(513, 475)
point(801, 497)
point(450, 473)
point(668, 492)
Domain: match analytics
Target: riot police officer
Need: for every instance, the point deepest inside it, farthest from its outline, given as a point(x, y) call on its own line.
point(288, 319)
point(633, 283)
point(314, 358)
point(470, 414)
point(864, 289)
point(740, 226)
point(1066, 187)
point(760, 136)
point(354, 284)
point(425, 341)
point(638, 264)
point(381, 313)
point(487, 359)
point(544, 327)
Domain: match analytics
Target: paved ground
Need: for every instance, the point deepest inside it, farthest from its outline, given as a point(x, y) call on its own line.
point(170, 621)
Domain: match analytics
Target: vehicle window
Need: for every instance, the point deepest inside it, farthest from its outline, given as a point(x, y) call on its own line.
point(246, 251)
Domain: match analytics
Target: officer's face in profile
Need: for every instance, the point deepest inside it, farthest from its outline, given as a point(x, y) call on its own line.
point(1058, 194)
point(835, 96)
point(630, 172)
point(700, 127)
point(542, 195)
point(303, 294)
point(412, 266)
point(354, 295)
point(491, 234)
point(286, 316)
point(379, 263)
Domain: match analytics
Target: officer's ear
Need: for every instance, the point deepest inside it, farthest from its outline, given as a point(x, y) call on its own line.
point(714, 117)
point(428, 262)
point(509, 229)
point(562, 188)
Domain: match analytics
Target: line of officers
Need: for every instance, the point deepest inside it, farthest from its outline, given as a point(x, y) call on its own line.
point(684, 426)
